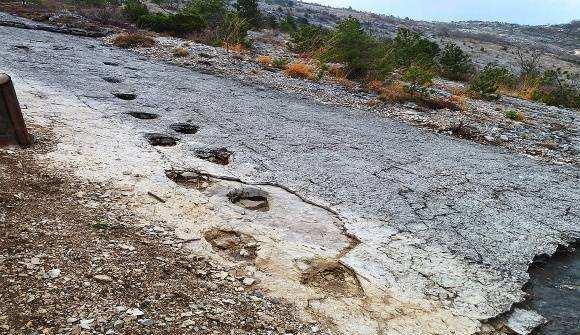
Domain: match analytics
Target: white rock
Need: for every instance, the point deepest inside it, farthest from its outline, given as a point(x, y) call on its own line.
point(134, 312)
point(103, 278)
point(523, 322)
point(248, 281)
point(54, 273)
point(127, 247)
point(86, 323)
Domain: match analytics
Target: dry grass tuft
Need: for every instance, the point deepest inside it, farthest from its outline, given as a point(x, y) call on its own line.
point(337, 71)
point(348, 84)
point(238, 48)
point(265, 60)
point(399, 93)
point(299, 70)
point(375, 86)
point(133, 40)
point(396, 93)
point(460, 101)
point(180, 52)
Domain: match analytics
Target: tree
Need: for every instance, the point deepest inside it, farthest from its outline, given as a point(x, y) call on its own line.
point(455, 64)
point(351, 45)
point(248, 10)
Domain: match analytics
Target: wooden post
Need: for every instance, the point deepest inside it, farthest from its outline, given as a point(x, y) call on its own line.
point(12, 127)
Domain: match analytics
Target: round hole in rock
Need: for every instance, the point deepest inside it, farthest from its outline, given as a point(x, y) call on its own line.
point(185, 128)
point(143, 115)
point(218, 156)
point(187, 178)
point(240, 247)
point(160, 140)
point(112, 80)
point(125, 96)
point(250, 198)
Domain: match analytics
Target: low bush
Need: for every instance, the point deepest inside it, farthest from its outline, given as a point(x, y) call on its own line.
point(233, 31)
point(289, 24)
point(212, 11)
point(418, 76)
point(515, 115)
point(299, 70)
point(555, 88)
point(375, 86)
point(180, 52)
point(308, 39)
point(179, 24)
point(265, 60)
point(133, 40)
point(249, 11)
point(134, 9)
point(487, 83)
point(280, 63)
point(399, 92)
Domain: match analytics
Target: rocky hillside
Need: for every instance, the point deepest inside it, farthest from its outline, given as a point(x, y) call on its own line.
point(561, 40)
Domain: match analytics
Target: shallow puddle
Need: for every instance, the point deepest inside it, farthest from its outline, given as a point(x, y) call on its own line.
point(555, 292)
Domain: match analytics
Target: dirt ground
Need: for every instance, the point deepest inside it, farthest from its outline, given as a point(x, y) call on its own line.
point(72, 262)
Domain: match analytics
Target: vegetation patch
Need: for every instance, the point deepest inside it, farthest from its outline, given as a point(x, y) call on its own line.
point(133, 40)
point(299, 70)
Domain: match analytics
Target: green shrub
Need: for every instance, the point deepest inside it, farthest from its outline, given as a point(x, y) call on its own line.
point(455, 64)
point(134, 9)
point(308, 38)
point(249, 11)
point(555, 89)
point(513, 114)
point(280, 63)
point(418, 76)
point(289, 24)
point(212, 11)
point(180, 24)
point(233, 30)
point(486, 83)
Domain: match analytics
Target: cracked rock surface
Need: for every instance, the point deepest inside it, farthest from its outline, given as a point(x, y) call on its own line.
point(439, 232)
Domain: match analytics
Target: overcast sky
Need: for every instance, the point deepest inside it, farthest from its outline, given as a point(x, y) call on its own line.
point(516, 11)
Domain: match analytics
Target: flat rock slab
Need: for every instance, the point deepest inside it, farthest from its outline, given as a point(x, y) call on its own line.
point(447, 223)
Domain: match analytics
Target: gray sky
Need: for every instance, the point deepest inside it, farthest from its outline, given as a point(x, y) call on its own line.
point(516, 11)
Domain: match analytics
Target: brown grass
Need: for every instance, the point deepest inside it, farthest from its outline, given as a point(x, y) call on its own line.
point(236, 48)
point(299, 70)
point(133, 40)
point(337, 71)
point(180, 52)
point(398, 93)
point(265, 60)
point(349, 84)
point(460, 101)
point(395, 93)
point(375, 86)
